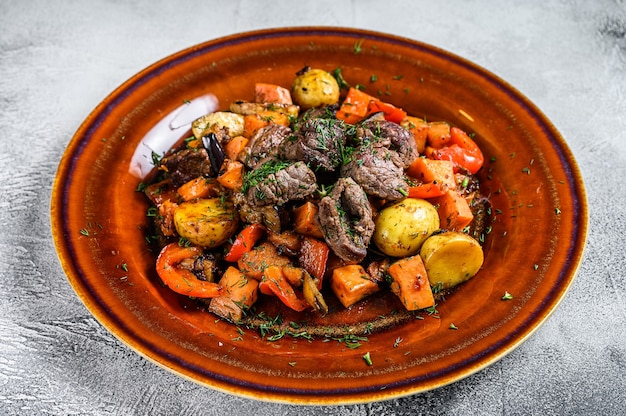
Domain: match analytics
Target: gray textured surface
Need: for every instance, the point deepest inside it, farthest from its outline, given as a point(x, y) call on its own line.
point(59, 59)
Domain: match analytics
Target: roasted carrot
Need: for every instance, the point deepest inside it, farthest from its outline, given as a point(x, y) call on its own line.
point(425, 190)
point(255, 261)
point(199, 187)
point(438, 134)
point(410, 283)
point(419, 128)
point(240, 293)
point(294, 275)
point(252, 123)
point(305, 220)
point(270, 93)
point(354, 106)
point(161, 191)
point(454, 211)
point(231, 174)
point(351, 284)
point(440, 172)
point(235, 146)
point(165, 220)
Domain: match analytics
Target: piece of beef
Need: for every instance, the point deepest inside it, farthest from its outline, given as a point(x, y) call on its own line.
point(317, 142)
point(390, 135)
point(345, 216)
point(274, 217)
point(378, 171)
point(187, 164)
point(265, 144)
point(276, 183)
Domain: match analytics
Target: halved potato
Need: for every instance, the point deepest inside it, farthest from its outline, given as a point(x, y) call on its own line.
point(451, 258)
point(402, 227)
point(212, 122)
point(208, 223)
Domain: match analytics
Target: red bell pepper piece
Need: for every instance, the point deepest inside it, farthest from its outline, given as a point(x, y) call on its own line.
point(313, 257)
point(246, 239)
point(463, 152)
point(179, 279)
point(390, 112)
point(274, 283)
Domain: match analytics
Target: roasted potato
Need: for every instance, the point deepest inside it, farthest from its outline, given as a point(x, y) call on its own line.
point(402, 227)
point(314, 88)
point(451, 258)
point(206, 222)
point(213, 122)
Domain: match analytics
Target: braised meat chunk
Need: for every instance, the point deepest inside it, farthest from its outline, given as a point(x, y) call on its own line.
point(187, 164)
point(277, 182)
point(394, 137)
point(378, 171)
point(265, 144)
point(318, 142)
point(345, 216)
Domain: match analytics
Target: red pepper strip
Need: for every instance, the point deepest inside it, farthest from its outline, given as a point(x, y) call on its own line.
point(425, 190)
point(274, 283)
point(463, 152)
point(391, 112)
point(181, 280)
point(246, 239)
point(313, 257)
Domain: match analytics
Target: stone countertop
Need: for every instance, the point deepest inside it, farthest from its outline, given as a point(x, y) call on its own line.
point(58, 60)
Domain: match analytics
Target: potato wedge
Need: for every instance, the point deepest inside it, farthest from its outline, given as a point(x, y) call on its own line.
point(451, 258)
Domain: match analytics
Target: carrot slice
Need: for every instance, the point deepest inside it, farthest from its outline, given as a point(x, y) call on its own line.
point(419, 128)
point(239, 293)
point(354, 106)
point(270, 93)
point(255, 261)
point(454, 211)
point(235, 146)
point(305, 220)
point(351, 283)
point(231, 174)
point(199, 187)
point(410, 283)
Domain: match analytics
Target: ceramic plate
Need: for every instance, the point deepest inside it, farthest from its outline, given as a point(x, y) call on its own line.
point(532, 252)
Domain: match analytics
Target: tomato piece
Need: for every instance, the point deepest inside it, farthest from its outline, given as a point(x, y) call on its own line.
point(246, 239)
point(391, 112)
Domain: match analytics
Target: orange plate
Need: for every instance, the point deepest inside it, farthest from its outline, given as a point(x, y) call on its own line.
point(532, 252)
